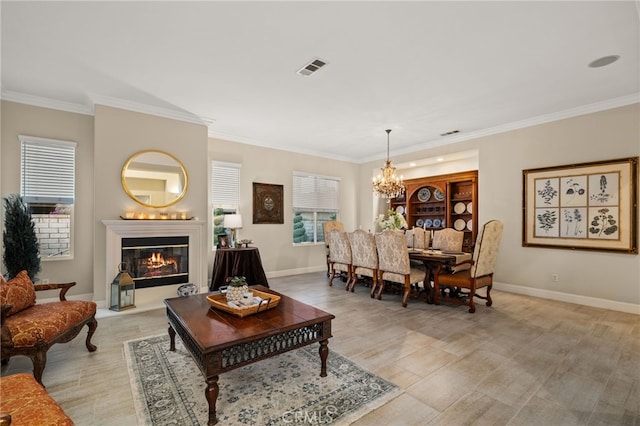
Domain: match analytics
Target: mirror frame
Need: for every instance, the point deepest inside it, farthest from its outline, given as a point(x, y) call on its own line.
point(155, 151)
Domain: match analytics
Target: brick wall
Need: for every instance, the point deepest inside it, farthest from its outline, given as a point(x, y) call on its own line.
point(54, 234)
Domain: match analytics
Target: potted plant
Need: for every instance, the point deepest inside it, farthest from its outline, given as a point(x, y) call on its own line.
point(21, 248)
point(237, 286)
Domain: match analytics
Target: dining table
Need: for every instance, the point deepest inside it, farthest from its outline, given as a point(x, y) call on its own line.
point(431, 258)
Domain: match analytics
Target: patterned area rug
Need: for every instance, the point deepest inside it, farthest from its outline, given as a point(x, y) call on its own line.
point(287, 389)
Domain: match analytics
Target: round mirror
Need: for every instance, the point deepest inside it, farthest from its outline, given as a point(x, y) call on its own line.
point(154, 178)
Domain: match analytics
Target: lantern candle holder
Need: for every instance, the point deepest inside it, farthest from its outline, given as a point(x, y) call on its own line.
point(123, 290)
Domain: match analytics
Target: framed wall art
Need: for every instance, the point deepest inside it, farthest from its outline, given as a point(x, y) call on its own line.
point(587, 206)
point(268, 206)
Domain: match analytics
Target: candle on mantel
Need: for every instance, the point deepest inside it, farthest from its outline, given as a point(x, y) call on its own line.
point(183, 215)
point(141, 215)
point(129, 215)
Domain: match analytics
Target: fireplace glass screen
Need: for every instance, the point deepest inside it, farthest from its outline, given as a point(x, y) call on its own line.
point(157, 261)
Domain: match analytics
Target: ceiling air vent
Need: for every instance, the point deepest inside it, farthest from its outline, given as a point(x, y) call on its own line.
point(452, 132)
point(312, 67)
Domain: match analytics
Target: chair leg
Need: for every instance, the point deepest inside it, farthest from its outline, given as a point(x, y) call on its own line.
point(332, 275)
point(93, 324)
point(380, 289)
point(39, 360)
point(407, 292)
point(489, 301)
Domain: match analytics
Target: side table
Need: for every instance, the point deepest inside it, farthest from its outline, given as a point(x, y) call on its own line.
point(231, 262)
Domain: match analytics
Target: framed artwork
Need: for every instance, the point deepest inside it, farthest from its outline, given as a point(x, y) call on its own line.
point(268, 206)
point(223, 241)
point(587, 206)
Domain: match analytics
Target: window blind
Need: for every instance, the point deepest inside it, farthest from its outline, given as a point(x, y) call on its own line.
point(225, 185)
point(315, 192)
point(48, 170)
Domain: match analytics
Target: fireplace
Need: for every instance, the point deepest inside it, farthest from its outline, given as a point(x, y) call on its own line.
point(119, 230)
point(157, 261)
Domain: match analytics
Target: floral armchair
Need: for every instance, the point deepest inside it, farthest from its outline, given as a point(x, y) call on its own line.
point(480, 273)
point(339, 255)
point(30, 329)
point(394, 264)
point(364, 257)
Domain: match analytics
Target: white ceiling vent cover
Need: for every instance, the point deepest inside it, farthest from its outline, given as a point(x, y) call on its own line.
point(312, 67)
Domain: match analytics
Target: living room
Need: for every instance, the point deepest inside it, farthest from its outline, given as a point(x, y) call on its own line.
point(109, 131)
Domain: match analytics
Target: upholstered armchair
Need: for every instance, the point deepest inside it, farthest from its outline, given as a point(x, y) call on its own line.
point(339, 255)
point(327, 227)
point(364, 257)
point(394, 264)
point(30, 329)
point(448, 239)
point(480, 273)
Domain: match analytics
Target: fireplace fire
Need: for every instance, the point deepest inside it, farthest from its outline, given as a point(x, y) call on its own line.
point(157, 261)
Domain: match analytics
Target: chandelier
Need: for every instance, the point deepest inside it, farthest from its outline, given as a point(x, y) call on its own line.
point(387, 184)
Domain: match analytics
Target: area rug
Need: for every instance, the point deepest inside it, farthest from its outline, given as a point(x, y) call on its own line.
point(287, 389)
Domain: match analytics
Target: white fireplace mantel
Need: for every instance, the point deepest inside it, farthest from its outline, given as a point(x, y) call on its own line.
point(119, 229)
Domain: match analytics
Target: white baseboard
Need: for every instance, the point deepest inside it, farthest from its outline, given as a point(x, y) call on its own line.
point(298, 271)
point(570, 298)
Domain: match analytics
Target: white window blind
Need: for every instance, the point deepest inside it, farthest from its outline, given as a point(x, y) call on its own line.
point(315, 192)
point(225, 185)
point(48, 170)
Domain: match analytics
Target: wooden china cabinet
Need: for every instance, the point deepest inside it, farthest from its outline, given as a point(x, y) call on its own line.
point(444, 201)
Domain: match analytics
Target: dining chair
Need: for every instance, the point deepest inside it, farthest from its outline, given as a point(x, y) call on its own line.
point(448, 239)
point(339, 255)
point(394, 264)
point(417, 238)
point(327, 227)
point(480, 273)
point(364, 258)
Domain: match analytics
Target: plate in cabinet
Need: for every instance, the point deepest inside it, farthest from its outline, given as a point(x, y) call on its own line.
point(470, 225)
point(459, 224)
point(438, 195)
point(419, 223)
point(470, 207)
point(424, 194)
point(428, 223)
point(459, 208)
point(400, 209)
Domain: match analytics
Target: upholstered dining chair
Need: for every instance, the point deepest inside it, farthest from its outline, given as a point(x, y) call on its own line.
point(339, 255)
point(417, 238)
point(327, 227)
point(393, 261)
point(364, 258)
point(480, 274)
point(448, 239)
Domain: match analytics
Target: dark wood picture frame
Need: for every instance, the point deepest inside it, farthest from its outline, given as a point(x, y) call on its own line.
point(268, 205)
point(585, 206)
point(223, 241)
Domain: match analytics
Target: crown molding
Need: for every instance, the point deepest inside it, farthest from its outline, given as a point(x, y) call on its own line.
point(185, 116)
point(43, 102)
point(507, 127)
point(93, 99)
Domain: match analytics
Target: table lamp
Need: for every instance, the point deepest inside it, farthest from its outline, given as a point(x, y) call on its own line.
point(233, 222)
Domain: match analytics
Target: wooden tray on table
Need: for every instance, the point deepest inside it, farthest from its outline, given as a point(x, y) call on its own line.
point(269, 301)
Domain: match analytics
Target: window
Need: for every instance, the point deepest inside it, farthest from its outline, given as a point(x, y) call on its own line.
point(225, 194)
point(47, 185)
point(315, 201)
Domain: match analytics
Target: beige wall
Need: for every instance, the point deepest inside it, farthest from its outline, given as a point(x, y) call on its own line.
point(20, 119)
point(118, 135)
point(608, 277)
point(264, 165)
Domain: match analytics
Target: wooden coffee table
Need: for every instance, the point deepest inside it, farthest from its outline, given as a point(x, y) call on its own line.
point(220, 342)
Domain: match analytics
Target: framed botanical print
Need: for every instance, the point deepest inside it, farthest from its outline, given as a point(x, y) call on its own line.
point(268, 206)
point(587, 206)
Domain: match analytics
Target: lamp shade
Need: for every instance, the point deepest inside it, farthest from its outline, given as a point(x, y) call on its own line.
point(233, 221)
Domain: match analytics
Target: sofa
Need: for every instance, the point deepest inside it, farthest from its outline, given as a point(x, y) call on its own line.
point(23, 401)
point(30, 329)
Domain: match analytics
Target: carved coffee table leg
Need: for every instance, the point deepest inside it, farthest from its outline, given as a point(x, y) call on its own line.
point(172, 339)
point(211, 393)
point(324, 352)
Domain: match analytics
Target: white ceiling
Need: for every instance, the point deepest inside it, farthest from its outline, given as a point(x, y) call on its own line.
point(420, 68)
